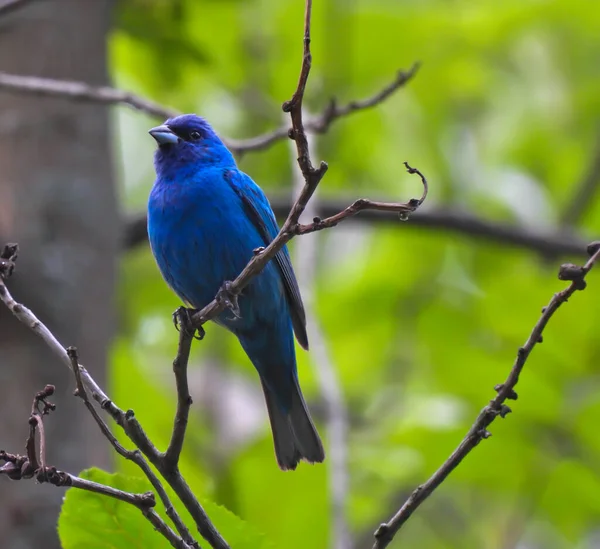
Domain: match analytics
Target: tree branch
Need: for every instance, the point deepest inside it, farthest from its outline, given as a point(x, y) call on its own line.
point(184, 400)
point(312, 176)
point(167, 463)
point(332, 112)
point(126, 420)
point(81, 91)
point(363, 204)
point(497, 407)
point(134, 456)
point(463, 223)
point(33, 465)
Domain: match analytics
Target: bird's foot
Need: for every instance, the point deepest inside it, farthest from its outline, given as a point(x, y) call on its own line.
point(182, 320)
point(229, 298)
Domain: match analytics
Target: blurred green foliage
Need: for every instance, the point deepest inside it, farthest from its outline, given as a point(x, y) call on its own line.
point(503, 118)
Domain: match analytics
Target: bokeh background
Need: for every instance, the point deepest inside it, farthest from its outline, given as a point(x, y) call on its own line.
point(417, 320)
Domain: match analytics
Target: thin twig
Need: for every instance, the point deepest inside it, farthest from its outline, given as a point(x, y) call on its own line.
point(29, 466)
point(404, 209)
point(126, 420)
point(497, 407)
point(30, 446)
point(546, 243)
point(81, 91)
point(336, 418)
point(331, 113)
point(312, 176)
point(25, 316)
point(141, 501)
point(144, 502)
point(334, 111)
point(184, 400)
point(167, 463)
point(132, 455)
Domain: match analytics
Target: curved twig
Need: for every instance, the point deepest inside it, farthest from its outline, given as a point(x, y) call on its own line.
point(497, 407)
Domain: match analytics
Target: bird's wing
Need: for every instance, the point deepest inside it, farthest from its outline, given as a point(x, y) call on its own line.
point(262, 216)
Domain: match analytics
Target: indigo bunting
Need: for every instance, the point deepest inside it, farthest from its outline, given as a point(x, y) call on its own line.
point(205, 218)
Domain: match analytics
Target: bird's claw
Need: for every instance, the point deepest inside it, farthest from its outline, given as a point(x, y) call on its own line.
point(182, 320)
point(229, 298)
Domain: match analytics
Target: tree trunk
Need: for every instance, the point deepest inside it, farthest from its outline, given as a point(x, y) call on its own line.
point(57, 200)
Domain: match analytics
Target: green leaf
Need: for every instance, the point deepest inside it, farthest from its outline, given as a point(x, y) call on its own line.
point(93, 521)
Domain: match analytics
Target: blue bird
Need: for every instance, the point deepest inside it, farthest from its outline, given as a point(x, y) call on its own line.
point(205, 218)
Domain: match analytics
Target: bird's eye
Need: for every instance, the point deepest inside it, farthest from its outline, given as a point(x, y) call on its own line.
point(195, 135)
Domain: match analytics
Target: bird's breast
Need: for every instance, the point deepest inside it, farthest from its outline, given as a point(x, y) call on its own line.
point(203, 237)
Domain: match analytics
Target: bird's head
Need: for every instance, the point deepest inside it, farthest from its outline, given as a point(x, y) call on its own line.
point(188, 142)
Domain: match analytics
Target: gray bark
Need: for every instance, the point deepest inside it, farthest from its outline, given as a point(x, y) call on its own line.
point(57, 200)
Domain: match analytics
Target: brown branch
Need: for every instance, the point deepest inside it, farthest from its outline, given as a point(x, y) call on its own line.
point(331, 113)
point(497, 407)
point(312, 176)
point(463, 223)
point(184, 400)
point(401, 208)
point(167, 463)
point(134, 456)
point(36, 425)
point(18, 467)
point(126, 420)
point(144, 502)
point(82, 92)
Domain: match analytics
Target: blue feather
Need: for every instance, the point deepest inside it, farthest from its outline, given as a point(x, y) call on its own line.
point(205, 218)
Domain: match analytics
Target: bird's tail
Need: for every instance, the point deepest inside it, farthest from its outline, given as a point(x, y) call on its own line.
point(294, 433)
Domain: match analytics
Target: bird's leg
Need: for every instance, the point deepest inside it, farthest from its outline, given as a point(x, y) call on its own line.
point(182, 320)
point(229, 298)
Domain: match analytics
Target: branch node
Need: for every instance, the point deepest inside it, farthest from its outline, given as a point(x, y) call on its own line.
point(382, 531)
point(512, 394)
point(573, 273)
point(148, 500)
point(27, 470)
point(593, 247)
point(8, 257)
point(504, 411)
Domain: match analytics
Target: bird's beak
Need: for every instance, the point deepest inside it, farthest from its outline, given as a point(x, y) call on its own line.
point(163, 135)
